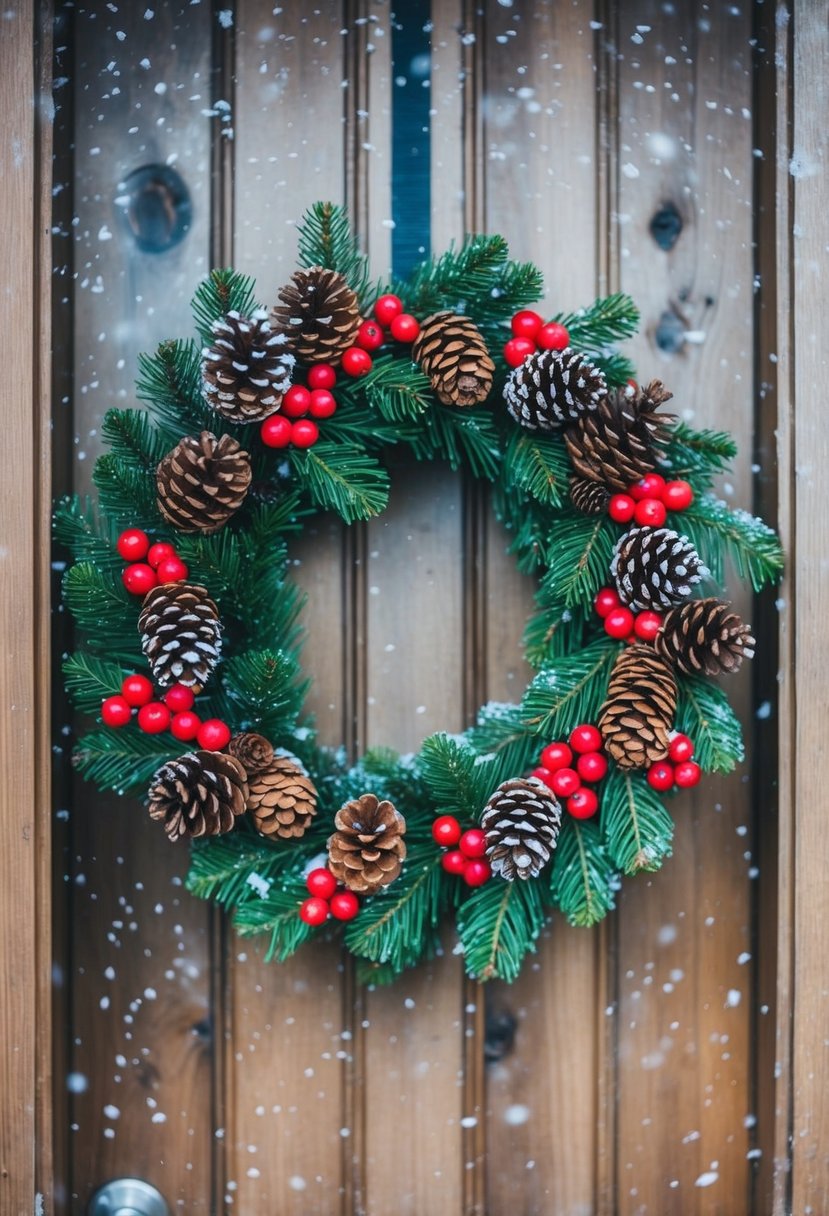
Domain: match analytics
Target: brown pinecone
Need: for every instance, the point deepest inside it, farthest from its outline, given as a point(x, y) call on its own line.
point(199, 794)
point(318, 314)
point(367, 850)
point(638, 713)
point(181, 633)
point(202, 482)
point(282, 798)
point(247, 370)
point(704, 637)
point(655, 568)
point(553, 387)
point(619, 442)
point(253, 752)
point(452, 353)
point(521, 821)
point(589, 497)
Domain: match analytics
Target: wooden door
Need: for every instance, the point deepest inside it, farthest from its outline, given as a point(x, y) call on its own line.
point(630, 1069)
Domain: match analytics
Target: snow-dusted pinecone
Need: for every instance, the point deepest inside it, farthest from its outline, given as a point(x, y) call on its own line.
point(247, 370)
point(654, 568)
point(521, 821)
point(553, 387)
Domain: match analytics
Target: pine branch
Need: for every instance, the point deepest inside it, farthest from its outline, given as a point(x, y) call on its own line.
point(223, 291)
point(276, 913)
point(537, 465)
point(636, 826)
point(123, 760)
point(719, 531)
point(101, 606)
point(394, 929)
point(88, 538)
point(457, 780)
point(460, 435)
point(502, 733)
point(584, 880)
point(570, 690)
point(579, 553)
point(609, 319)
point(698, 456)
point(342, 478)
point(616, 368)
point(89, 680)
point(553, 632)
point(237, 866)
point(457, 278)
point(267, 690)
point(326, 239)
point(704, 714)
point(169, 382)
point(136, 440)
point(126, 495)
point(498, 925)
point(397, 389)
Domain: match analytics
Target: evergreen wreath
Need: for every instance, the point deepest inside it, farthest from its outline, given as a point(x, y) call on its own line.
point(190, 623)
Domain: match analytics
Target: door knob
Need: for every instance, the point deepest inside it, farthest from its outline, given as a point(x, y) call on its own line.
point(127, 1197)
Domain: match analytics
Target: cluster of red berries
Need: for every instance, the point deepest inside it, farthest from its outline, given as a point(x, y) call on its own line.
point(389, 321)
point(621, 622)
point(314, 399)
point(680, 770)
point(649, 500)
point(174, 713)
point(325, 899)
point(565, 766)
point(149, 564)
point(530, 334)
point(469, 857)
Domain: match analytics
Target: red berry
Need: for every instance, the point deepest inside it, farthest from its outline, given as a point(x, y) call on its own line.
point(116, 711)
point(516, 351)
point(526, 324)
point(137, 690)
point(185, 725)
point(321, 882)
point(139, 578)
point(680, 748)
point(323, 403)
point(687, 774)
point(314, 911)
point(179, 697)
point(477, 872)
point(661, 775)
point(133, 545)
point(172, 570)
point(370, 335)
point(321, 375)
point(344, 905)
point(565, 782)
point(583, 804)
point(159, 553)
point(552, 336)
point(387, 308)
point(619, 623)
point(606, 600)
point(585, 738)
point(213, 735)
point(356, 361)
point(592, 767)
point(404, 328)
point(647, 625)
point(650, 513)
point(473, 843)
point(275, 431)
point(296, 401)
point(621, 508)
point(649, 486)
point(446, 830)
point(543, 774)
point(154, 717)
point(677, 495)
point(304, 433)
point(454, 862)
point(556, 756)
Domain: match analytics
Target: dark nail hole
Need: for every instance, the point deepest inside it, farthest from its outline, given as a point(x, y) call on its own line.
point(203, 1028)
point(670, 333)
point(499, 1034)
point(666, 226)
point(156, 207)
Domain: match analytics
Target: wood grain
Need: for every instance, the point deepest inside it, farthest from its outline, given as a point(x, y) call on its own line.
point(141, 1078)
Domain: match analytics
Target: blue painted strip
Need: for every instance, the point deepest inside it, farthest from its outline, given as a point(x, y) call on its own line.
point(411, 134)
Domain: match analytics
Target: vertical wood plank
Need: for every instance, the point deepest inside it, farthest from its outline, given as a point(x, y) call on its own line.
point(141, 1072)
point(810, 1093)
point(684, 936)
point(541, 193)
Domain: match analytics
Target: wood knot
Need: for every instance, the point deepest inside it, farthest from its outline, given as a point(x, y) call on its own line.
point(665, 226)
point(499, 1034)
point(156, 207)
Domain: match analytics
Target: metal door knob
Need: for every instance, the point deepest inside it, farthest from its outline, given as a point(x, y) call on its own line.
point(127, 1197)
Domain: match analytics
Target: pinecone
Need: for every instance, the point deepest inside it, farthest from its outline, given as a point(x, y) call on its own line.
point(553, 387)
point(199, 794)
point(521, 822)
point(247, 370)
point(181, 633)
point(638, 713)
point(452, 352)
point(202, 482)
point(589, 497)
point(282, 798)
point(619, 442)
point(253, 752)
point(655, 568)
point(704, 637)
point(367, 850)
point(319, 315)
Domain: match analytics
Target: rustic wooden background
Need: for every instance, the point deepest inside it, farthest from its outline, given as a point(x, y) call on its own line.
point(630, 1070)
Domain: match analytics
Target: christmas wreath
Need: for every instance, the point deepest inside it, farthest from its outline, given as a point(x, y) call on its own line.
point(190, 623)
